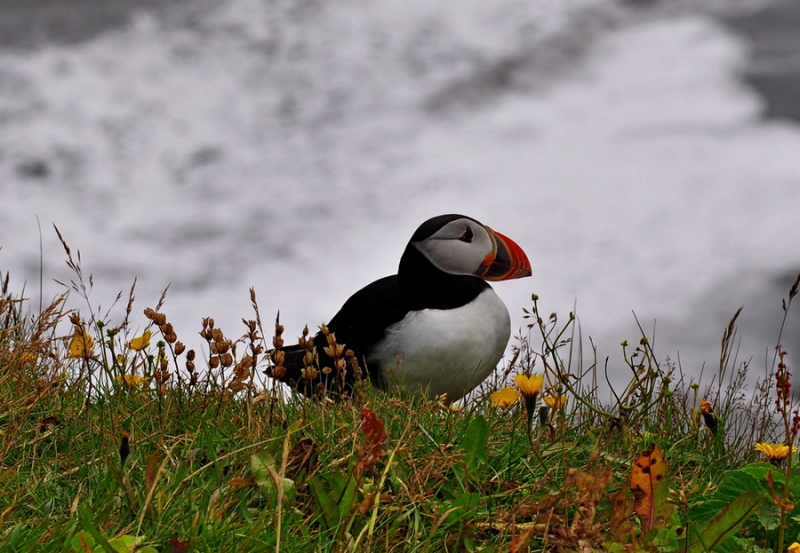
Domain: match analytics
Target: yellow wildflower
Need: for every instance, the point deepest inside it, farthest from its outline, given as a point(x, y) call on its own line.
point(80, 347)
point(794, 548)
point(28, 358)
point(555, 402)
point(529, 385)
point(140, 342)
point(133, 380)
point(774, 452)
point(504, 398)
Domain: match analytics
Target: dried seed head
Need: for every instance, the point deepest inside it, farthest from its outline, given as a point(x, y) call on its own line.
point(190, 355)
point(190, 366)
point(240, 371)
point(75, 319)
point(222, 346)
point(278, 372)
point(179, 348)
point(149, 313)
point(227, 360)
point(217, 335)
point(171, 337)
point(213, 362)
point(160, 319)
point(235, 386)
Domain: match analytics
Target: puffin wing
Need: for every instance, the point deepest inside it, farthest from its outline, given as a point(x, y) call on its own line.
point(359, 325)
point(363, 319)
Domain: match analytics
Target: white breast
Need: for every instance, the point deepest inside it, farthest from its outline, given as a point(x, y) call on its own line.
point(445, 350)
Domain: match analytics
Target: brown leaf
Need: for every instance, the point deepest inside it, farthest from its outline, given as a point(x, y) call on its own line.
point(240, 482)
point(150, 471)
point(373, 427)
point(302, 458)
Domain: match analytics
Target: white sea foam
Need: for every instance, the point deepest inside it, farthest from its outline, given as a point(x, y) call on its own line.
point(296, 151)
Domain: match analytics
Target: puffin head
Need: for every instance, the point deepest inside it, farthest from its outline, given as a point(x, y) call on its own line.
point(460, 245)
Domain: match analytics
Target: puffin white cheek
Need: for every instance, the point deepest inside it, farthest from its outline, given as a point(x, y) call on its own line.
point(454, 256)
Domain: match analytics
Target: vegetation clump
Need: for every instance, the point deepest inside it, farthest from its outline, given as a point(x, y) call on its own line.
point(119, 437)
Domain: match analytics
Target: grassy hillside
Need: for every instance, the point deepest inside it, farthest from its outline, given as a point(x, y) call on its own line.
point(166, 441)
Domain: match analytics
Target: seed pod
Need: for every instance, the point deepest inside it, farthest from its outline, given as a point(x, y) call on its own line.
point(278, 372)
point(227, 360)
point(179, 348)
point(223, 346)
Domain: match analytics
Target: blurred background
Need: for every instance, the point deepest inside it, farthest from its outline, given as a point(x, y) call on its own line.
point(645, 154)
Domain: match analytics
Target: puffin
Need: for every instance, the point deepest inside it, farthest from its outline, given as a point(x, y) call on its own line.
point(435, 326)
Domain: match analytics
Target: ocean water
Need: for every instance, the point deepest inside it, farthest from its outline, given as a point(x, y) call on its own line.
point(294, 147)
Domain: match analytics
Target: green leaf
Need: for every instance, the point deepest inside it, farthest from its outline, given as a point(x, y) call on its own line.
point(474, 443)
point(125, 544)
point(726, 523)
point(326, 502)
point(265, 473)
point(734, 484)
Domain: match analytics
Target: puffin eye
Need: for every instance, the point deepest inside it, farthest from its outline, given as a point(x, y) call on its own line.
point(466, 236)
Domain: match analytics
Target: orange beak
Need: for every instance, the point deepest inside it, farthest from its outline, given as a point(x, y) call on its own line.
point(507, 259)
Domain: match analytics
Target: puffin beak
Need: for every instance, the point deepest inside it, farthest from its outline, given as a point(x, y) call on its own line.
point(506, 261)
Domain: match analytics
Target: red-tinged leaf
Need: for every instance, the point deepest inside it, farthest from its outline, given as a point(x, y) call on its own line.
point(373, 427)
point(178, 546)
point(727, 523)
point(650, 489)
point(85, 545)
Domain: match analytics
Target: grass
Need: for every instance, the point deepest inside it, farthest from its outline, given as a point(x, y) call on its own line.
point(115, 442)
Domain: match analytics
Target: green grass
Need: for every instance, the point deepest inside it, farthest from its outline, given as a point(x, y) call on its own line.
point(209, 455)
